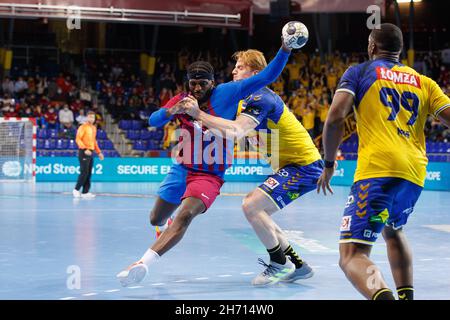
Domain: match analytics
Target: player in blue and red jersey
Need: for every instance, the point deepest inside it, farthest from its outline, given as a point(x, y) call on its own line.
point(203, 157)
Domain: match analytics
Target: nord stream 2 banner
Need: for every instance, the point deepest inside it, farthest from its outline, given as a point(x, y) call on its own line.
point(54, 169)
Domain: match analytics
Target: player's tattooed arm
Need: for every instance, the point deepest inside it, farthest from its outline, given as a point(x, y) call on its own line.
point(226, 128)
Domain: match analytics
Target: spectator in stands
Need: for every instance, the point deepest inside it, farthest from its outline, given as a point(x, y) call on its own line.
point(165, 96)
point(308, 116)
point(8, 86)
point(116, 71)
point(66, 117)
point(20, 87)
point(294, 74)
point(52, 88)
point(167, 79)
point(11, 112)
point(322, 108)
point(26, 113)
point(278, 86)
point(76, 105)
point(41, 86)
point(39, 115)
point(51, 118)
point(31, 85)
point(60, 96)
point(170, 138)
point(81, 118)
point(332, 80)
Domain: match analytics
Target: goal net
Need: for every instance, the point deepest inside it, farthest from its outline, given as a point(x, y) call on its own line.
point(17, 149)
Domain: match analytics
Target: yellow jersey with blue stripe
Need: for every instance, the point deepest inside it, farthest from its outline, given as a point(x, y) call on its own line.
point(281, 136)
point(392, 102)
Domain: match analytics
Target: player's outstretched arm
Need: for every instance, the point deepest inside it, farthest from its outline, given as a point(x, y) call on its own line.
point(268, 75)
point(237, 90)
point(332, 135)
point(230, 129)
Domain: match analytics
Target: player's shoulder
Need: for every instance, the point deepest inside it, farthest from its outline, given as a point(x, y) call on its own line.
point(419, 79)
point(262, 96)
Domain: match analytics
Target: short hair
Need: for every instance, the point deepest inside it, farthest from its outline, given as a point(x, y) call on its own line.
point(252, 58)
point(388, 37)
point(91, 112)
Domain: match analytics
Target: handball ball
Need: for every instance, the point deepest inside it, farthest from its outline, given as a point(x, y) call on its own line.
point(295, 34)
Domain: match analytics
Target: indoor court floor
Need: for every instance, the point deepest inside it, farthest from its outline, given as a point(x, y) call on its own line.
point(48, 239)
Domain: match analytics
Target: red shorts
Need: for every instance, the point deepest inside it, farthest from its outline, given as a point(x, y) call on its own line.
point(203, 186)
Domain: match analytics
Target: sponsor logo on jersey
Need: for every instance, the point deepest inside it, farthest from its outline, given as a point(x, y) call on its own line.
point(398, 77)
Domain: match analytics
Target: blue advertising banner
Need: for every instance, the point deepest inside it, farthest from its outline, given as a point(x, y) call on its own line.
point(438, 175)
point(53, 169)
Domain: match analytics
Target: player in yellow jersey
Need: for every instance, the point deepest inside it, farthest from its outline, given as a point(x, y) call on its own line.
point(295, 159)
point(391, 102)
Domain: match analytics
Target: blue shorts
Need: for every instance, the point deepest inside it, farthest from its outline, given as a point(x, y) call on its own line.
point(374, 203)
point(174, 184)
point(291, 182)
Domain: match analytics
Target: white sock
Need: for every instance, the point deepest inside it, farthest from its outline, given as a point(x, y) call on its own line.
point(164, 226)
point(149, 257)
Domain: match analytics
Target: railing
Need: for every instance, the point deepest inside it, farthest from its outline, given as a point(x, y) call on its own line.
point(25, 53)
point(119, 15)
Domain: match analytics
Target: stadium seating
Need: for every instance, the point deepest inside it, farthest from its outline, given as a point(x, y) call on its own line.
point(54, 143)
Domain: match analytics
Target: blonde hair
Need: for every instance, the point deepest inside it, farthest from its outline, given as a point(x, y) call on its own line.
point(252, 58)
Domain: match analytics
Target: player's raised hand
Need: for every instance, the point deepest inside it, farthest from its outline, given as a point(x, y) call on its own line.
point(284, 46)
point(178, 108)
point(324, 180)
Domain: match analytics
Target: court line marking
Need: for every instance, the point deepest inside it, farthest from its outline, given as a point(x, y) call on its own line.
point(204, 278)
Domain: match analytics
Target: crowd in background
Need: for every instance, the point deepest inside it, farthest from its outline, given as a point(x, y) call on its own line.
point(58, 102)
point(306, 86)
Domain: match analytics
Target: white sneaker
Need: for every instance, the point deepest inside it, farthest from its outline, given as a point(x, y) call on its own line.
point(76, 193)
point(133, 274)
point(273, 273)
point(88, 195)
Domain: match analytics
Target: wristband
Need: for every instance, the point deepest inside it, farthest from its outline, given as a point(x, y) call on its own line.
point(329, 164)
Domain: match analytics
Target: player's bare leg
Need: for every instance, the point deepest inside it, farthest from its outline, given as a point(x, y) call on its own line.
point(362, 272)
point(189, 209)
point(258, 209)
point(400, 260)
point(161, 214)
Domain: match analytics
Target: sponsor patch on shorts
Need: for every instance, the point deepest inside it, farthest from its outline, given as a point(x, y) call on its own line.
point(346, 223)
point(271, 183)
